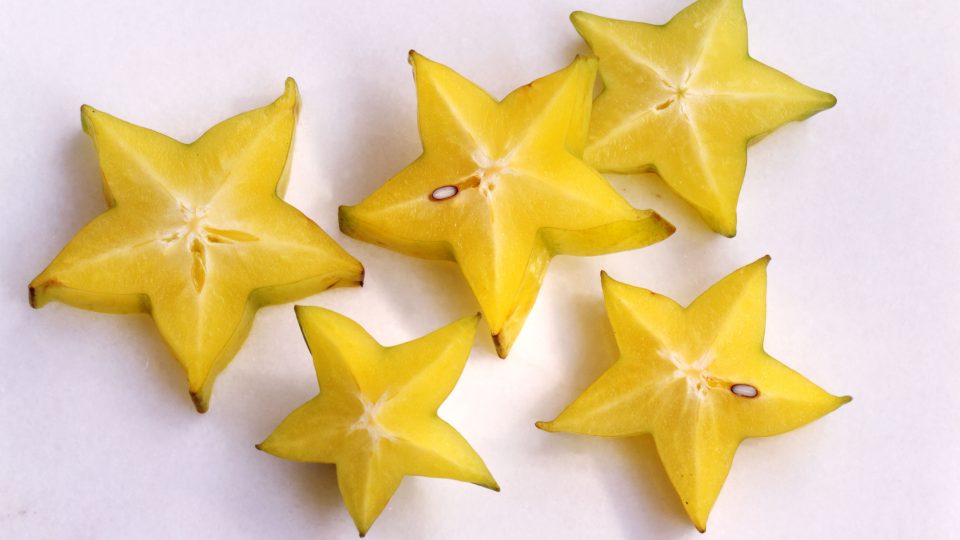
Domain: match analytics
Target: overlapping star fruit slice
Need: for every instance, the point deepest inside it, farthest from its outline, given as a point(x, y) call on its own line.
point(376, 418)
point(685, 99)
point(697, 379)
point(196, 235)
point(501, 188)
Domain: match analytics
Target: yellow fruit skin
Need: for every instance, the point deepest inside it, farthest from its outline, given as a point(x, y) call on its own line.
point(676, 377)
point(196, 235)
point(685, 100)
point(376, 415)
point(521, 193)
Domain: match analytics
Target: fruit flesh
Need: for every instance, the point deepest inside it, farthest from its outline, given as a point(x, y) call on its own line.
point(521, 193)
point(696, 379)
point(196, 235)
point(685, 100)
point(376, 415)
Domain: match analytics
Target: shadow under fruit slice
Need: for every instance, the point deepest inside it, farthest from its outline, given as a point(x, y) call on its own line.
point(376, 415)
point(697, 379)
point(196, 235)
point(685, 100)
point(500, 189)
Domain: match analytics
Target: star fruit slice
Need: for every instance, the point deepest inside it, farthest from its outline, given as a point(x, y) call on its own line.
point(500, 189)
point(685, 99)
point(697, 379)
point(376, 415)
point(196, 235)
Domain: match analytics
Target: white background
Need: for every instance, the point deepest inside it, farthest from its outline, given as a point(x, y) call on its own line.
point(858, 207)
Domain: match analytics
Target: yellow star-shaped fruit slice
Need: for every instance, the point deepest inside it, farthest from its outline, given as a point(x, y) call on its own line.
point(500, 189)
point(697, 379)
point(685, 99)
point(196, 235)
point(376, 415)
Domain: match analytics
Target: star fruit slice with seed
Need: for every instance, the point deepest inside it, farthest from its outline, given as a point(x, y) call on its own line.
point(500, 189)
point(697, 379)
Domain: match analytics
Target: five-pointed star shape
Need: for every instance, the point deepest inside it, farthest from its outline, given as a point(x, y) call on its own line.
point(685, 100)
point(197, 235)
point(697, 379)
point(376, 415)
point(500, 189)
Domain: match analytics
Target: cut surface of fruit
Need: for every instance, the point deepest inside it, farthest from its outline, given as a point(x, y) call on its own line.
point(196, 235)
point(697, 379)
point(376, 415)
point(685, 100)
point(500, 189)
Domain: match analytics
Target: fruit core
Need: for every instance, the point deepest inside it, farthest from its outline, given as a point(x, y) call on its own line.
point(484, 178)
point(367, 421)
point(197, 235)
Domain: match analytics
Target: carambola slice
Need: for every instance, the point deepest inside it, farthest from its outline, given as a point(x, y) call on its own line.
point(697, 379)
point(685, 99)
point(500, 189)
point(376, 415)
point(196, 235)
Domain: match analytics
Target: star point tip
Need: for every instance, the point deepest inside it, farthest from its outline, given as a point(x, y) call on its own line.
point(200, 402)
point(32, 295)
point(498, 344)
point(578, 16)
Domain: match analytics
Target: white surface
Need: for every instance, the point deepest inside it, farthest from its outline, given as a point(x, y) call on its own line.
point(858, 208)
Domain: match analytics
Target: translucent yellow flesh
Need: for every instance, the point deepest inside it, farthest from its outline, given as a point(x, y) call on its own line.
point(196, 235)
point(675, 380)
point(522, 192)
point(376, 415)
point(685, 99)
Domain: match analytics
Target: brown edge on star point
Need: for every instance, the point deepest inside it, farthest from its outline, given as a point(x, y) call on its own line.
point(198, 402)
point(499, 346)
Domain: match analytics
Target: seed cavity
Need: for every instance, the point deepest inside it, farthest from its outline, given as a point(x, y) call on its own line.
point(745, 390)
point(443, 193)
point(199, 267)
point(664, 105)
